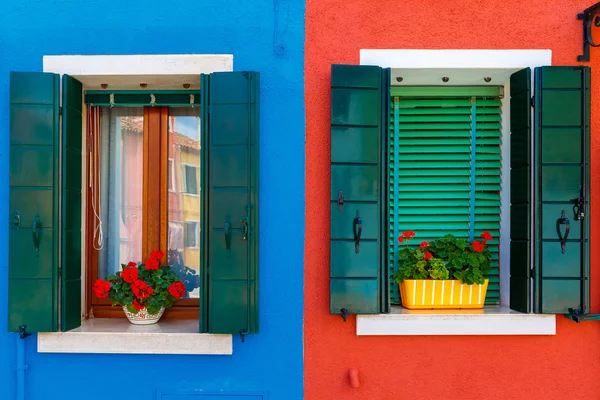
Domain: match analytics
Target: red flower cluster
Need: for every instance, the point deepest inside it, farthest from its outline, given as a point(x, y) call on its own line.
point(141, 289)
point(486, 236)
point(130, 274)
point(177, 290)
point(406, 235)
point(478, 246)
point(131, 264)
point(152, 263)
point(424, 245)
point(427, 256)
point(101, 288)
point(137, 305)
point(157, 254)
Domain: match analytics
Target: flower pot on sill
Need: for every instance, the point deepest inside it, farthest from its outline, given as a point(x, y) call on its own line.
point(434, 294)
point(143, 317)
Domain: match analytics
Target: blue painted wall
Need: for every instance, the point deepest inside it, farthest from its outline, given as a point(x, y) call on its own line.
point(271, 360)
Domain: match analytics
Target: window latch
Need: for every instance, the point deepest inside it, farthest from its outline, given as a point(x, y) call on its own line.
point(244, 228)
point(17, 220)
point(344, 313)
point(23, 332)
point(579, 209)
point(243, 333)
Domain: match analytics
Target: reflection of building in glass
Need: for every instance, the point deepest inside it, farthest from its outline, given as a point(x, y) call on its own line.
point(184, 199)
point(183, 252)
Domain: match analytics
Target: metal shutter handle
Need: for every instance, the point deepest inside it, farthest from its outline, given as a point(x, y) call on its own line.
point(227, 238)
point(35, 226)
point(563, 220)
point(357, 228)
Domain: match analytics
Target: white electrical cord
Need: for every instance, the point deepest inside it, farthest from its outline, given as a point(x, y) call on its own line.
point(98, 240)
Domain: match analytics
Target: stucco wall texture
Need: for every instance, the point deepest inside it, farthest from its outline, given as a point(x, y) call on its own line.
point(565, 366)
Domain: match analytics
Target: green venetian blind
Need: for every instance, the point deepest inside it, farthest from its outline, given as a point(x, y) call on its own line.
point(432, 164)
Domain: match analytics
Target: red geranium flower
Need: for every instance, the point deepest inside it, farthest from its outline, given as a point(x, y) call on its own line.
point(101, 288)
point(477, 246)
point(131, 264)
point(130, 274)
point(157, 254)
point(400, 239)
point(424, 245)
point(428, 255)
point(177, 290)
point(486, 236)
point(137, 305)
point(152, 263)
point(409, 234)
point(141, 290)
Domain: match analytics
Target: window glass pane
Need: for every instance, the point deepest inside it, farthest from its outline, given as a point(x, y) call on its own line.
point(184, 202)
point(121, 179)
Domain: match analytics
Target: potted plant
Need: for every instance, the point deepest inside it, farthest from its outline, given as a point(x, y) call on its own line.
point(446, 273)
point(144, 291)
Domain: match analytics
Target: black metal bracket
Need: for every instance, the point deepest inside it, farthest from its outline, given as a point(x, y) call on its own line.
point(588, 16)
point(23, 332)
point(243, 333)
point(344, 314)
point(340, 201)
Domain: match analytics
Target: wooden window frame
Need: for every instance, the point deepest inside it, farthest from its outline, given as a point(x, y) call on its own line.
point(155, 222)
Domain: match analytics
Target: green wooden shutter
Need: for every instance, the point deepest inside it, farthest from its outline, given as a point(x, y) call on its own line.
point(520, 190)
point(230, 159)
point(191, 179)
point(357, 155)
point(71, 194)
point(561, 146)
point(34, 149)
point(431, 164)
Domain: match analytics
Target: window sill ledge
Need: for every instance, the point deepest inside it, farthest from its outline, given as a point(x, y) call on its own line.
point(119, 336)
point(492, 320)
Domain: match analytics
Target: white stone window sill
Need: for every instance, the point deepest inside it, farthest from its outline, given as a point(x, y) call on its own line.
point(119, 336)
point(491, 320)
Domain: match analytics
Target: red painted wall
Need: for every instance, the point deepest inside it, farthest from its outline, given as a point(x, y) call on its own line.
point(565, 366)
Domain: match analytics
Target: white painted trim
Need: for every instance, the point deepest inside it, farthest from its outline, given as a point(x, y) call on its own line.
point(490, 321)
point(119, 336)
point(446, 59)
point(197, 222)
point(468, 67)
point(138, 64)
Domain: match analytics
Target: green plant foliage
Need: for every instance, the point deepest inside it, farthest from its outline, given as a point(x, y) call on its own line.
point(445, 258)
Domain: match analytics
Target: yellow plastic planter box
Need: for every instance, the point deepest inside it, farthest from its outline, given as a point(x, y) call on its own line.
point(428, 293)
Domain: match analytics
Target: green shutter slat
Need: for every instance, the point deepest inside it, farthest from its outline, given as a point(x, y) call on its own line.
point(562, 135)
point(357, 102)
point(33, 195)
point(449, 133)
point(430, 173)
point(446, 111)
point(71, 246)
point(232, 140)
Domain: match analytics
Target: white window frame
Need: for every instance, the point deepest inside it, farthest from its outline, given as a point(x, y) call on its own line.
point(171, 171)
point(463, 67)
point(197, 233)
point(122, 72)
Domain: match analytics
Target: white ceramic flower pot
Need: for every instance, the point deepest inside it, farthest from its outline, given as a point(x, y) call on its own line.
point(143, 317)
